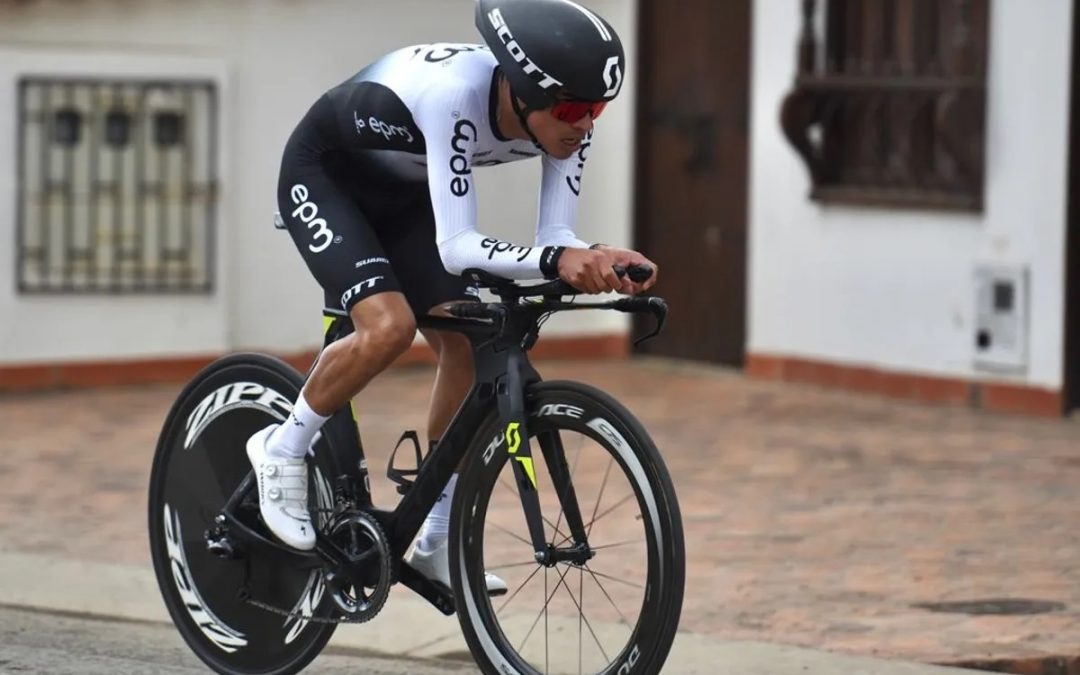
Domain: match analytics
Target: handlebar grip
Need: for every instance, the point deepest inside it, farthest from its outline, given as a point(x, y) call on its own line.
point(637, 273)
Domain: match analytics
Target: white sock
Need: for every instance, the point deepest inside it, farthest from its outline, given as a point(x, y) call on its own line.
point(293, 437)
point(437, 524)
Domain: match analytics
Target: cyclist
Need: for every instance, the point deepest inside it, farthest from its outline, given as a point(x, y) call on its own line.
point(377, 190)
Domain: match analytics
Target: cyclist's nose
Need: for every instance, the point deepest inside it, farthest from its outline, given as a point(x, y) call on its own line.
point(585, 124)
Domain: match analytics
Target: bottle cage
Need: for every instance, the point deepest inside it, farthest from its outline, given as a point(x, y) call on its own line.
point(404, 477)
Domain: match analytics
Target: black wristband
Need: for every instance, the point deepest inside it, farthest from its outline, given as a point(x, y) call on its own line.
point(549, 261)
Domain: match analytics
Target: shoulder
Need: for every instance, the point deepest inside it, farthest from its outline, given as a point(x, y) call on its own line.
point(460, 90)
point(454, 70)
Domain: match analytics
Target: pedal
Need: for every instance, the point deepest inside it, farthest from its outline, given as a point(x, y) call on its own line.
point(221, 545)
point(404, 477)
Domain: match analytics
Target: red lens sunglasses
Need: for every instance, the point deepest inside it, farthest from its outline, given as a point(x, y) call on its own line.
point(572, 111)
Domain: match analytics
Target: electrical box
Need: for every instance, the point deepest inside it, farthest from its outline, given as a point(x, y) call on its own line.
point(1001, 317)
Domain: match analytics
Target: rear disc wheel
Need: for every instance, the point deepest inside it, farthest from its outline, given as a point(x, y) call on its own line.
point(199, 462)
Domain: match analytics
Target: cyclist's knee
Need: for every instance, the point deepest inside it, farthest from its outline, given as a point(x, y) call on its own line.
point(390, 334)
point(385, 326)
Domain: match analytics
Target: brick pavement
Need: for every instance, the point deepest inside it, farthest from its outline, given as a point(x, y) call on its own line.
point(812, 518)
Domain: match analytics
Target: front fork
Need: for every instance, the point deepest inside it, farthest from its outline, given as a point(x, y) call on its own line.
point(513, 414)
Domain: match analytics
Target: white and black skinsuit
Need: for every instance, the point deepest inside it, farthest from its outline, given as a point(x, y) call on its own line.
point(377, 185)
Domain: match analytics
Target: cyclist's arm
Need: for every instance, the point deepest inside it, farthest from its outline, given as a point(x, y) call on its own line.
point(449, 120)
point(559, 191)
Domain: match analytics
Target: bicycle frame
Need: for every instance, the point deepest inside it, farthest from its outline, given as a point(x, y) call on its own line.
point(501, 341)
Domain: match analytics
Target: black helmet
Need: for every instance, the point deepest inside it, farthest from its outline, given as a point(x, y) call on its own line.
point(547, 47)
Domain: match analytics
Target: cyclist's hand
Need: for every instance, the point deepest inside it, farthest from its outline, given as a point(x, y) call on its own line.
point(590, 271)
point(627, 258)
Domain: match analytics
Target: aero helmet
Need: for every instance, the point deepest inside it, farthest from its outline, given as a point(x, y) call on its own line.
point(549, 47)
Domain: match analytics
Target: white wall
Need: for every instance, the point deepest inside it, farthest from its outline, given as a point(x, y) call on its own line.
point(895, 289)
point(274, 57)
point(57, 327)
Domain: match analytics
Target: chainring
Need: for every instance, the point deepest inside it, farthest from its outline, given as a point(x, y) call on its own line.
point(363, 540)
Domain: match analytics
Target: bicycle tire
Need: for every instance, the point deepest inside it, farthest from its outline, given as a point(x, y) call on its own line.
point(199, 461)
point(596, 415)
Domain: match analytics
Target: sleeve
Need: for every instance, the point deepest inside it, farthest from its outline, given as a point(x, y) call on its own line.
point(560, 188)
point(449, 117)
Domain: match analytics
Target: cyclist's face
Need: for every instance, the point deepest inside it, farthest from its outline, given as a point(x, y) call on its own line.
point(559, 139)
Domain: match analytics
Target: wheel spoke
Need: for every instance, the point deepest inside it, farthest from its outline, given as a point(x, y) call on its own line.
point(615, 579)
point(603, 590)
point(547, 655)
point(512, 534)
point(512, 565)
point(619, 503)
point(581, 614)
point(603, 485)
point(543, 609)
point(517, 590)
point(547, 520)
point(630, 542)
point(610, 509)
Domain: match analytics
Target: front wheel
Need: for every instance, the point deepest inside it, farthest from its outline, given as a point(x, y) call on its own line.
point(615, 612)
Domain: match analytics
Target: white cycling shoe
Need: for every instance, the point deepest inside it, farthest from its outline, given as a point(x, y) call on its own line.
point(435, 566)
point(283, 493)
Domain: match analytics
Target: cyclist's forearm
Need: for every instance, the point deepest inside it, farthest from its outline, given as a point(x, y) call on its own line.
point(470, 249)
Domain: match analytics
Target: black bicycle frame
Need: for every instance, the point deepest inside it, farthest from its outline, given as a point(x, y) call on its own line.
point(502, 373)
point(501, 340)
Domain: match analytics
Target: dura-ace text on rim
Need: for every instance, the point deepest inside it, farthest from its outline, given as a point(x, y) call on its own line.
point(571, 409)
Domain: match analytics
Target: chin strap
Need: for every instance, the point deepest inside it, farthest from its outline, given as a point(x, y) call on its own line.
point(522, 115)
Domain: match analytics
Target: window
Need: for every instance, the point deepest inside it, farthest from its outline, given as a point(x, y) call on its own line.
point(116, 186)
point(889, 101)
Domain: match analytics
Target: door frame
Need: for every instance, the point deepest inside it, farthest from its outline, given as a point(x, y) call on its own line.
point(1071, 362)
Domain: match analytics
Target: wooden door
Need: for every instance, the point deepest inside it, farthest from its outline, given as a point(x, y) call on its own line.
point(690, 212)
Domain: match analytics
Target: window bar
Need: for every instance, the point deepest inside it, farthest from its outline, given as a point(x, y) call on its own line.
point(45, 189)
point(143, 139)
point(851, 42)
point(807, 41)
point(210, 191)
point(67, 189)
point(933, 38)
point(886, 22)
point(869, 42)
point(160, 193)
point(22, 252)
point(117, 193)
point(93, 128)
point(188, 193)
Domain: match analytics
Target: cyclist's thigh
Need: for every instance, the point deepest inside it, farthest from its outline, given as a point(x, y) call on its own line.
point(410, 244)
point(334, 237)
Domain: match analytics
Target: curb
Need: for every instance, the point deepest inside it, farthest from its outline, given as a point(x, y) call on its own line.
point(50, 584)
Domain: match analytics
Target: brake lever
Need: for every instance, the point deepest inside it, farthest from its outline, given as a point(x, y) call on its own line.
point(658, 308)
point(651, 304)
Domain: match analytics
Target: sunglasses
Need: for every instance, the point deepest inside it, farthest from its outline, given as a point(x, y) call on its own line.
point(573, 111)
